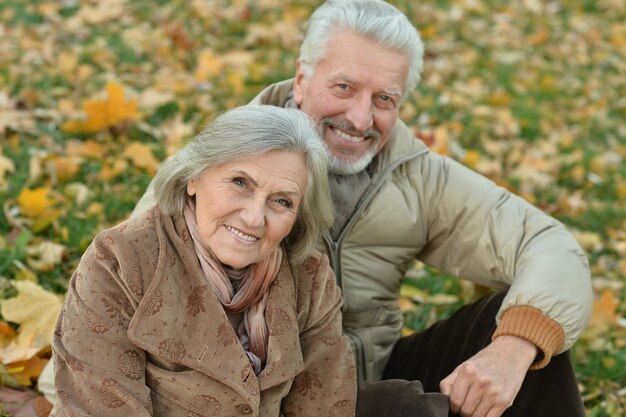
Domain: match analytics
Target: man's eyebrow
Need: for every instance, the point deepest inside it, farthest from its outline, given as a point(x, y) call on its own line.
point(344, 77)
point(392, 92)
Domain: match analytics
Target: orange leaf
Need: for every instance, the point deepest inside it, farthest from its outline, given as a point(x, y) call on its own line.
point(209, 65)
point(142, 157)
point(101, 114)
point(6, 329)
point(27, 371)
point(118, 109)
point(604, 310)
point(34, 203)
point(65, 168)
point(88, 149)
point(111, 170)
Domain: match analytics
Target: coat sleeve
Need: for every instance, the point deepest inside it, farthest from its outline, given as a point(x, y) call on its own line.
point(98, 371)
point(482, 232)
point(327, 385)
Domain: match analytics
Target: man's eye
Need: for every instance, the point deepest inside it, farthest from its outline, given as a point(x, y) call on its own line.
point(343, 86)
point(239, 181)
point(386, 102)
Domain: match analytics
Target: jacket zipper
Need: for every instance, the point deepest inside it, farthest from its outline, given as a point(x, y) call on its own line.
point(334, 247)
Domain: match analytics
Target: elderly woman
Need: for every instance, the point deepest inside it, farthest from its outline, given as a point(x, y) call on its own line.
point(213, 303)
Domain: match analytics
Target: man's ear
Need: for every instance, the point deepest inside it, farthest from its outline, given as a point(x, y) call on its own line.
point(299, 84)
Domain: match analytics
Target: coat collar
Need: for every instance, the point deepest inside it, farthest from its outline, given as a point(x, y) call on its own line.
point(180, 319)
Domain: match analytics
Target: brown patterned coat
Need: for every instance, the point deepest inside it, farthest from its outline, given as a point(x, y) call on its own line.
point(142, 334)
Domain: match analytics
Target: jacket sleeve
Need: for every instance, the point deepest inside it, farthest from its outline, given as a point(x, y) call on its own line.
point(482, 232)
point(98, 371)
point(327, 385)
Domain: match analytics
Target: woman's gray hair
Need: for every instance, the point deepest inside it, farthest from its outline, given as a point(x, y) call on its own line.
point(244, 133)
point(375, 20)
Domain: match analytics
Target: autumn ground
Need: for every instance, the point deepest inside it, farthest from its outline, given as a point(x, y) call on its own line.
point(94, 94)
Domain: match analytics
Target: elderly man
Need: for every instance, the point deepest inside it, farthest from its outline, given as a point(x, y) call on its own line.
point(396, 201)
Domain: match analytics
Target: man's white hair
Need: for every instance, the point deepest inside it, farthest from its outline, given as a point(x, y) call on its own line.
point(375, 20)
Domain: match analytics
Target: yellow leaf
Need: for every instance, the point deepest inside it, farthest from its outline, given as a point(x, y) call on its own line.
point(34, 203)
point(236, 82)
point(471, 158)
point(407, 331)
point(36, 311)
point(142, 157)
point(499, 98)
point(603, 312)
point(43, 221)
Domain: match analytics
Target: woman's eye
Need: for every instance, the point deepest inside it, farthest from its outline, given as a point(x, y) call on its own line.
point(239, 181)
point(284, 202)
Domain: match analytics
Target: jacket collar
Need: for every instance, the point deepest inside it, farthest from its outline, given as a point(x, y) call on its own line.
point(181, 320)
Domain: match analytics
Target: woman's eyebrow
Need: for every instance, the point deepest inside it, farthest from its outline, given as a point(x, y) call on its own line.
point(249, 178)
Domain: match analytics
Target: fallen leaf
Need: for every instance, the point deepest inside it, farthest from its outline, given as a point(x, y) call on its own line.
point(25, 372)
point(209, 65)
point(101, 114)
point(36, 311)
point(45, 256)
point(141, 156)
point(63, 168)
point(6, 167)
point(603, 312)
point(89, 149)
point(35, 202)
point(111, 170)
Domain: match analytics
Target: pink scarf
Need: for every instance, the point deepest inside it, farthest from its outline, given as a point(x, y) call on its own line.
point(250, 298)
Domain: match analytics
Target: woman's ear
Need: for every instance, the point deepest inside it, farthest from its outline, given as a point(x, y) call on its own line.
point(191, 188)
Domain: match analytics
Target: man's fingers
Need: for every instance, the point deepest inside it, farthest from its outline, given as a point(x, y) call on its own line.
point(445, 386)
point(459, 392)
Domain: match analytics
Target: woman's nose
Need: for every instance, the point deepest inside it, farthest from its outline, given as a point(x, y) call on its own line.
point(253, 213)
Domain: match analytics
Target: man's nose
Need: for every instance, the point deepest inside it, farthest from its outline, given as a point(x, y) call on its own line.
point(253, 213)
point(360, 113)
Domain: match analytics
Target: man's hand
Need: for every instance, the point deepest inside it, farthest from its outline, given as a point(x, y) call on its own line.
point(486, 384)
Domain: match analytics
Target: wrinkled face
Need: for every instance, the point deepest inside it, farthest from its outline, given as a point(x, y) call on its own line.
point(245, 209)
point(354, 96)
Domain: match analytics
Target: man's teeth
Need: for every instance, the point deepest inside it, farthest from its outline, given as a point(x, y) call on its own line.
point(344, 135)
point(242, 235)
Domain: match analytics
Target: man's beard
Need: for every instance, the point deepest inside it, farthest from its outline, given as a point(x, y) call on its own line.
point(339, 166)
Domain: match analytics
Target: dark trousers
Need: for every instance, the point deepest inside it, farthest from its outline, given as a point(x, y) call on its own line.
point(431, 355)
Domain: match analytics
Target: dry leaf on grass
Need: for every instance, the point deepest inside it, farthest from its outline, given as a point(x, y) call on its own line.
point(36, 311)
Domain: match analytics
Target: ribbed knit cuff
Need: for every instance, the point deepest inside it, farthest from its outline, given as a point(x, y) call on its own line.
point(531, 324)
